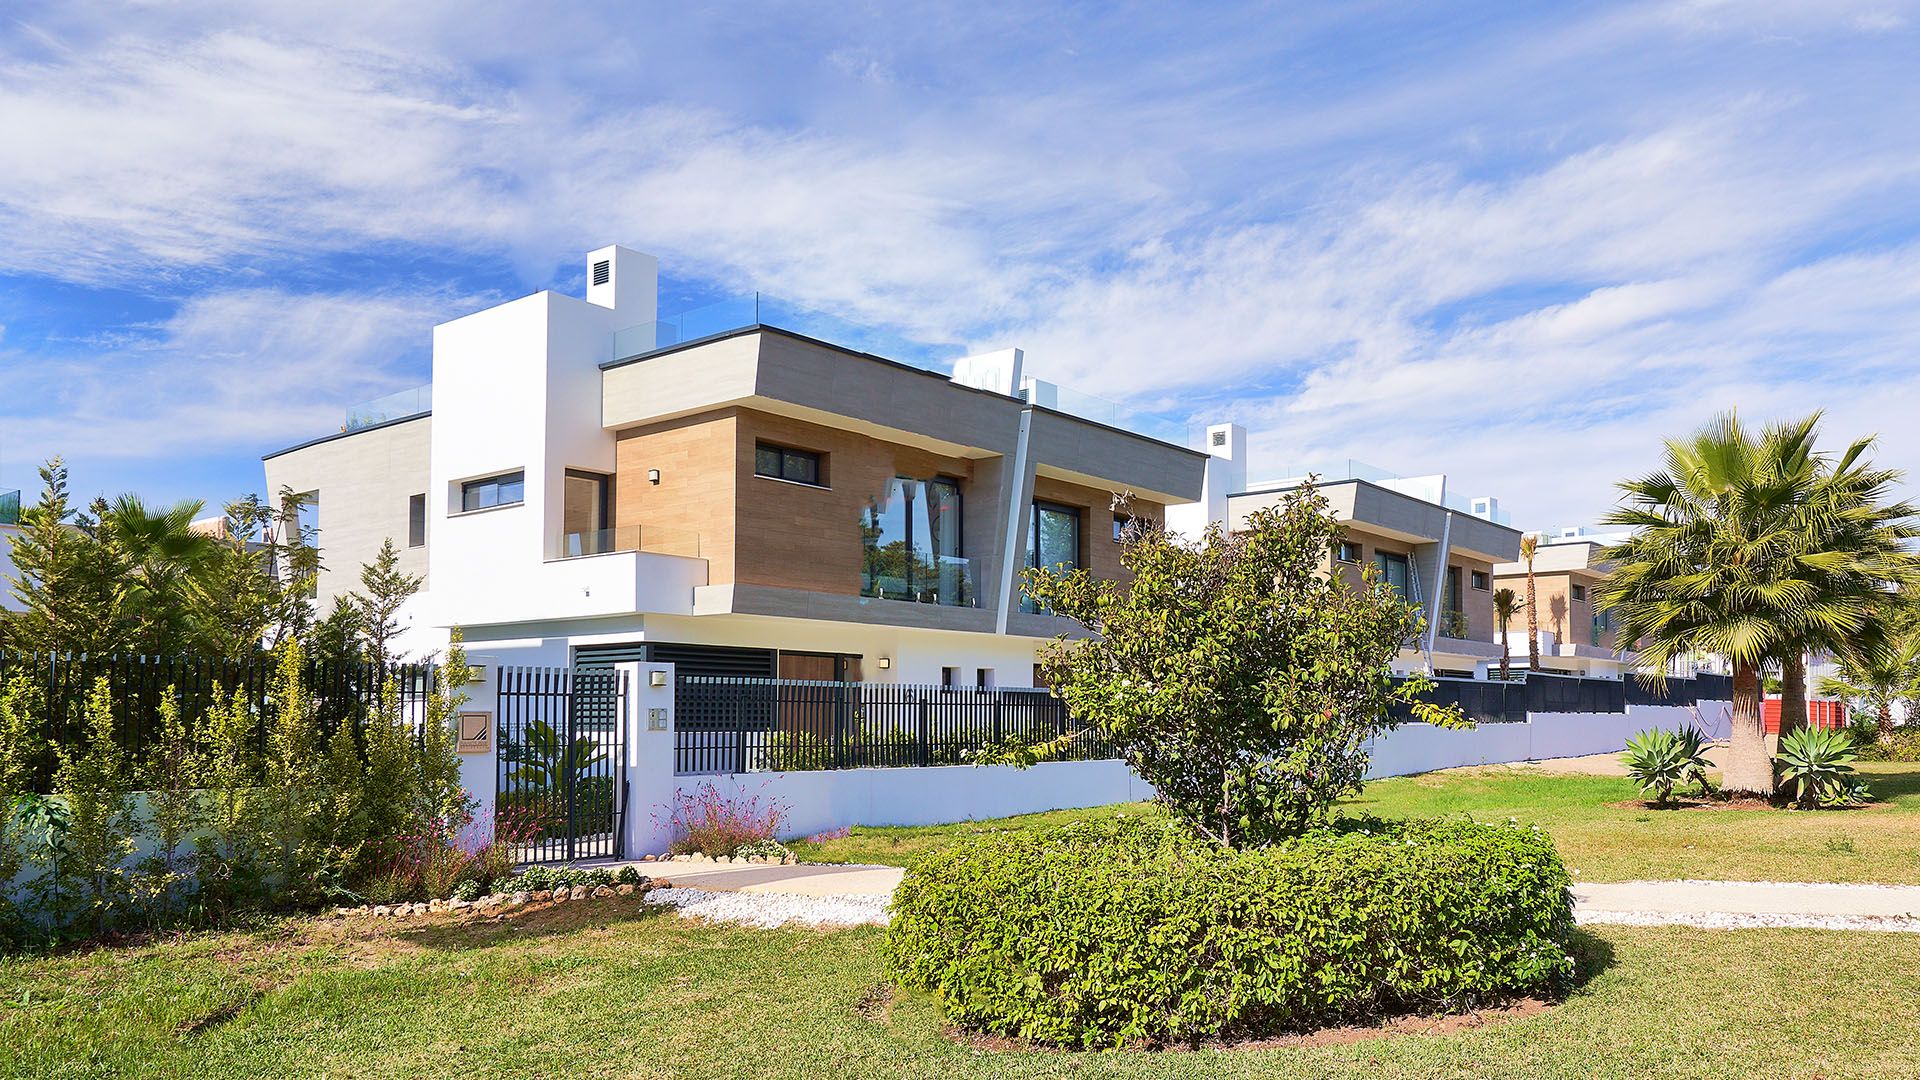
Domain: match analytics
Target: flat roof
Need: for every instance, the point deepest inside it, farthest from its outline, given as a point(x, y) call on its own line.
point(345, 434)
point(764, 328)
point(1323, 485)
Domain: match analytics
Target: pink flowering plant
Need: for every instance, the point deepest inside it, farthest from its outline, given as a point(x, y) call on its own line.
point(708, 821)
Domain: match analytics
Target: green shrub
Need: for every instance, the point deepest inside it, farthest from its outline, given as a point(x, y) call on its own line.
point(1658, 760)
point(543, 878)
point(1901, 744)
point(1127, 931)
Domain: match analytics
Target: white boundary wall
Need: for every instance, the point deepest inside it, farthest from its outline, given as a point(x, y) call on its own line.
point(1418, 748)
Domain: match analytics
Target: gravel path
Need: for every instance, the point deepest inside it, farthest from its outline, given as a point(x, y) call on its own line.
point(848, 899)
point(767, 910)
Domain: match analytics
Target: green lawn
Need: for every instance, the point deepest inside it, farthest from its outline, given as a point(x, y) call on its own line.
point(1600, 841)
point(610, 991)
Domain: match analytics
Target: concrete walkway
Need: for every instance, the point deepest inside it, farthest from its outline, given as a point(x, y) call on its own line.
point(1712, 904)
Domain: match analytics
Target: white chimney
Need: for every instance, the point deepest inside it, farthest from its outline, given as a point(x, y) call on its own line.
point(626, 281)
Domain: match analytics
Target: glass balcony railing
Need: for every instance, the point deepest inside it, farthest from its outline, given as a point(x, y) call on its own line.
point(1453, 624)
point(761, 309)
point(9, 508)
point(396, 406)
point(579, 544)
point(946, 580)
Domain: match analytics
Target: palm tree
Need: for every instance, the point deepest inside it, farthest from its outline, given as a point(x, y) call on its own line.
point(1529, 544)
point(1854, 548)
point(1876, 682)
point(1505, 607)
point(163, 555)
point(1749, 546)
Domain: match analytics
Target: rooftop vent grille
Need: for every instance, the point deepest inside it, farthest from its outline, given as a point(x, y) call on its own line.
point(1219, 438)
point(603, 271)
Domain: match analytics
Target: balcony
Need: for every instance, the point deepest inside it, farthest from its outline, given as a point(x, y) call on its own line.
point(1453, 624)
point(9, 507)
point(589, 542)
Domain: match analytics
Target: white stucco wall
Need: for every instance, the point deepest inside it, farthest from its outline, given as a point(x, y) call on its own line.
point(1418, 748)
point(8, 570)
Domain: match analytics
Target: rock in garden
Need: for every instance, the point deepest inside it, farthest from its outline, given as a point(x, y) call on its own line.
point(789, 860)
point(520, 898)
point(560, 896)
point(581, 892)
point(623, 889)
point(601, 892)
point(382, 909)
point(647, 858)
point(458, 905)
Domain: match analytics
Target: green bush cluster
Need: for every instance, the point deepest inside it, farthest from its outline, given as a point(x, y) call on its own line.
point(1123, 932)
point(547, 878)
point(1900, 744)
point(211, 821)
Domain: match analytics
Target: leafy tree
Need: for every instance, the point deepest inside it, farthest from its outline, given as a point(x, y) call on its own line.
point(73, 588)
point(258, 589)
point(1505, 607)
point(1238, 675)
point(1748, 545)
point(96, 778)
point(384, 588)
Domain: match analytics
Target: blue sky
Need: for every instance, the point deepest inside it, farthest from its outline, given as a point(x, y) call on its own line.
point(1518, 243)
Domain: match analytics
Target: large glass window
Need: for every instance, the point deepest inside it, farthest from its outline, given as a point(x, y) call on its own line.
point(417, 520)
point(584, 510)
point(911, 541)
point(1053, 542)
point(1395, 572)
point(785, 463)
point(503, 490)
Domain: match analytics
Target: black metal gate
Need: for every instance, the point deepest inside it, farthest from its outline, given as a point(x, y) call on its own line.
point(561, 788)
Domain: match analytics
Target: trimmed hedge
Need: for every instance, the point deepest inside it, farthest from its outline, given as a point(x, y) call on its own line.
point(1128, 931)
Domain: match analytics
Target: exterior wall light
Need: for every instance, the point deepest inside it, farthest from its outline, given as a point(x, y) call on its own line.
point(657, 678)
point(886, 662)
point(653, 476)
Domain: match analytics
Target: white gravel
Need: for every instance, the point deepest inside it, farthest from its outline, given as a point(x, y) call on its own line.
point(1742, 920)
point(768, 910)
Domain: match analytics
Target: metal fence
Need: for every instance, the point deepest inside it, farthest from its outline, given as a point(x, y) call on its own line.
point(342, 692)
point(1494, 702)
point(736, 725)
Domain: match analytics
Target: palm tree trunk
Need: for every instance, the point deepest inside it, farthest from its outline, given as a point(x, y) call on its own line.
point(1533, 624)
point(1749, 768)
point(1793, 693)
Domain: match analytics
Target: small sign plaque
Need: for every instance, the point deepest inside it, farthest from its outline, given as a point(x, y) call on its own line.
point(476, 732)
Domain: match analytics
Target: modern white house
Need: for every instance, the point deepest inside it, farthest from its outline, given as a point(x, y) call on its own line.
point(586, 483)
point(9, 528)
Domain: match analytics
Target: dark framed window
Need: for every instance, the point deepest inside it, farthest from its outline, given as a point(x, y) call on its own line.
point(911, 544)
point(1056, 536)
point(1347, 551)
point(1397, 572)
point(1481, 581)
point(417, 520)
point(786, 463)
point(1120, 527)
point(506, 489)
point(1580, 593)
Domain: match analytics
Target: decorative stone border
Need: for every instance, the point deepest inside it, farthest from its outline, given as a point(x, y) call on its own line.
point(501, 903)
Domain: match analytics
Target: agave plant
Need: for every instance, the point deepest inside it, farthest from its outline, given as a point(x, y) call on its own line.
point(1658, 760)
point(1818, 764)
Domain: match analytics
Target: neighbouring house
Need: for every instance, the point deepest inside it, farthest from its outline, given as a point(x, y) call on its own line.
point(587, 483)
point(9, 528)
point(1576, 638)
point(1436, 549)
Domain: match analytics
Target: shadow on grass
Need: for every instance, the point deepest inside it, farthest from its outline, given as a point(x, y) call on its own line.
point(1888, 786)
point(528, 925)
point(1591, 956)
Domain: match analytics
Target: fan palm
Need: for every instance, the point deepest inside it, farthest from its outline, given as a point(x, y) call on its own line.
point(1505, 607)
point(1875, 682)
point(1751, 546)
point(162, 554)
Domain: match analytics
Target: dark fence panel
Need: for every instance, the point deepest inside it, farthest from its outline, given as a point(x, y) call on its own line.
point(1494, 702)
point(342, 692)
point(561, 787)
point(725, 724)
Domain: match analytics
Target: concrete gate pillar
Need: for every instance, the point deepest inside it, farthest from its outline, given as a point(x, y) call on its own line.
point(651, 783)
